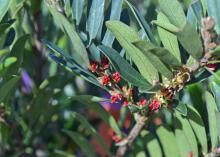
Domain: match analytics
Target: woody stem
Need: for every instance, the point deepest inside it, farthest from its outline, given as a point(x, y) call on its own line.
point(132, 136)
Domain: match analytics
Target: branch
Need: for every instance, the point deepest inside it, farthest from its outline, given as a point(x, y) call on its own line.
point(208, 24)
point(132, 136)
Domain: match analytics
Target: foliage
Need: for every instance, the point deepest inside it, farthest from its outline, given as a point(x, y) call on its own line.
point(76, 77)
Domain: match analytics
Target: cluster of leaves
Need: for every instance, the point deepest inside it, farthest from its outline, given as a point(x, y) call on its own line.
point(146, 55)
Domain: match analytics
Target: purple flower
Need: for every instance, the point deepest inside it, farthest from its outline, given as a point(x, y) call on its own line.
point(27, 82)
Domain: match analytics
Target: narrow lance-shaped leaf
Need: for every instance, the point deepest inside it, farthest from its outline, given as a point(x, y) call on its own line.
point(183, 142)
point(76, 69)
point(152, 144)
point(142, 22)
point(188, 131)
point(17, 52)
point(5, 4)
point(124, 68)
point(80, 53)
point(94, 21)
point(167, 137)
point(213, 126)
point(174, 11)
point(197, 124)
point(77, 10)
point(91, 130)
point(7, 63)
point(115, 15)
point(91, 103)
point(7, 87)
point(81, 142)
point(197, 10)
point(168, 39)
point(213, 8)
point(216, 91)
point(71, 64)
point(159, 57)
point(126, 36)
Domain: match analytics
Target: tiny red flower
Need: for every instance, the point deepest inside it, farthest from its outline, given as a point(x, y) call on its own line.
point(104, 63)
point(116, 77)
point(212, 66)
point(125, 103)
point(105, 80)
point(116, 138)
point(154, 105)
point(93, 66)
point(119, 96)
point(143, 102)
point(114, 99)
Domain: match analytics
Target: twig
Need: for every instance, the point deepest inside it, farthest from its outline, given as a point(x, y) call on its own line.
point(132, 136)
point(208, 24)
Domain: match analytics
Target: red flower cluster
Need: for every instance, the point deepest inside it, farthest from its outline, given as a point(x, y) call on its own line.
point(104, 63)
point(212, 66)
point(142, 102)
point(116, 97)
point(116, 77)
point(93, 66)
point(105, 80)
point(116, 138)
point(125, 103)
point(154, 105)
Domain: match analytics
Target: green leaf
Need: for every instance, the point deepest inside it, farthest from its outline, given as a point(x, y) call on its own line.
point(7, 63)
point(216, 91)
point(152, 144)
point(191, 18)
point(197, 10)
point(17, 52)
point(70, 64)
point(77, 10)
point(81, 142)
point(159, 57)
point(183, 142)
point(174, 11)
point(91, 103)
point(168, 39)
point(157, 63)
point(126, 36)
point(80, 53)
point(192, 46)
point(142, 22)
point(7, 87)
point(124, 68)
point(182, 109)
point(188, 133)
point(91, 130)
point(94, 21)
point(167, 137)
point(115, 15)
point(217, 114)
point(213, 126)
point(186, 32)
point(5, 4)
point(165, 24)
point(197, 124)
point(213, 8)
